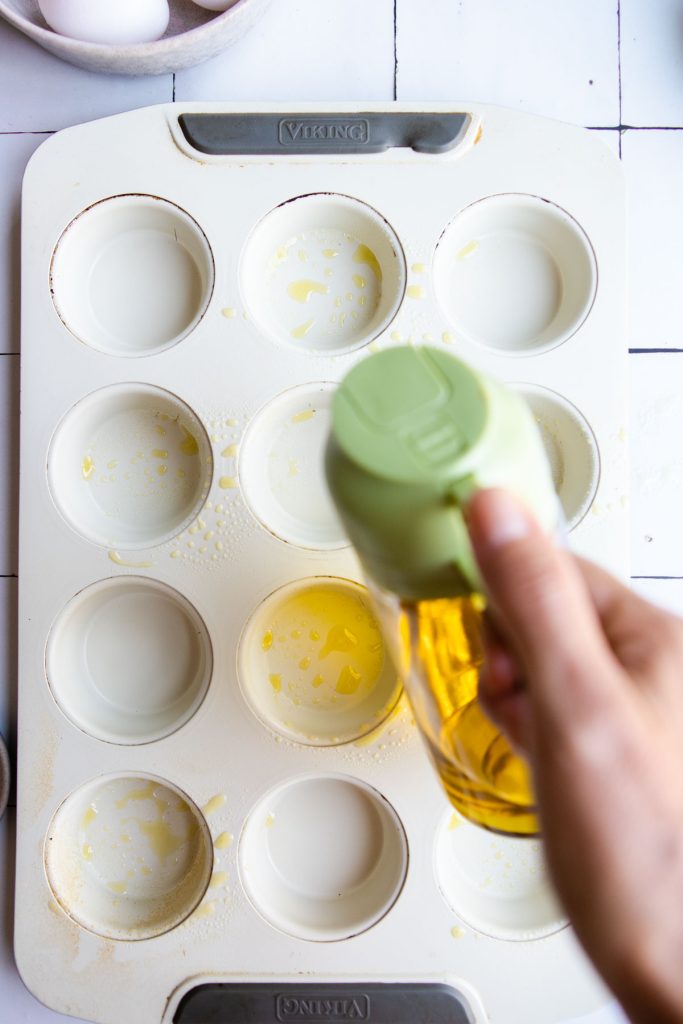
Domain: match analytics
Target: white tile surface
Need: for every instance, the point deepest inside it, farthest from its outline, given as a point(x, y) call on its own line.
point(39, 92)
point(532, 55)
point(666, 593)
point(304, 49)
point(652, 62)
point(15, 151)
point(654, 164)
point(656, 443)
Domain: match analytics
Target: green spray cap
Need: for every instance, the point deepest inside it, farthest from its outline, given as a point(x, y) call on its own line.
point(415, 433)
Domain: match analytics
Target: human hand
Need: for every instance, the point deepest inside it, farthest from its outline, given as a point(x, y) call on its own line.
point(586, 679)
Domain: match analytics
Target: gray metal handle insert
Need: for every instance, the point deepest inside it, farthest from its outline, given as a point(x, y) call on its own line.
point(321, 1004)
point(270, 134)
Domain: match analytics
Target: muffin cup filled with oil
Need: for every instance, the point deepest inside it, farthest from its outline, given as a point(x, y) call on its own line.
point(312, 664)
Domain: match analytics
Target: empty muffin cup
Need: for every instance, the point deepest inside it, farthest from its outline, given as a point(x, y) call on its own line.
point(571, 448)
point(129, 660)
point(515, 273)
point(312, 664)
point(281, 468)
point(132, 275)
point(129, 466)
point(128, 856)
point(496, 884)
point(323, 857)
point(323, 273)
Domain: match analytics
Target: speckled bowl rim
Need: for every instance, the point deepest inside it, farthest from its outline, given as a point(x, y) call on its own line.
point(4, 777)
point(196, 40)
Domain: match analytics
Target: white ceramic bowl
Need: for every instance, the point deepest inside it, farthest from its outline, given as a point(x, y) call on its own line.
point(193, 35)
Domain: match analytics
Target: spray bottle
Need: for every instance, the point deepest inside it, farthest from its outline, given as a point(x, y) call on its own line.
point(415, 433)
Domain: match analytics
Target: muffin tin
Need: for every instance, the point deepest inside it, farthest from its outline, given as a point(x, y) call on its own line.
point(224, 806)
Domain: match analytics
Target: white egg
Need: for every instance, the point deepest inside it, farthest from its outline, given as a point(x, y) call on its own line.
point(215, 5)
point(107, 21)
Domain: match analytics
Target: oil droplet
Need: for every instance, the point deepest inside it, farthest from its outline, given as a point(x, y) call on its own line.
point(359, 281)
point(160, 430)
point(205, 910)
point(419, 268)
point(161, 839)
point(302, 255)
point(457, 932)
point(415, 291)
point(467, 250)
point(301, 417)
point(87, 467)
point(214, 803)
point(175, 553)
point(328, 272)
point(116, 558)
point(231, 423)
point(112, 464)
point(348, 681)
point(218, 878)
point(477, 137)
point(367, 256)
point(228, 312)
point(87, 851)
point(275, 680)
point(314, 634)
point(349, 296)
point(302, 330)
point(270, 820)
point(162, 470)
point(305, 662)
point(454, 822)
point(267, 641)
point(339, 638)
point(329, 254)
point(218, 545)
point(447, 338)
point(223, 841)
point(159, 453)
point(227, 482)
point(118, 887)
point(317, 681)
point(230, 452)
point(396, 336)
point(293, 467)
point(189, 445)
point(53, 907)
point(301, 291)
point(181, 473)
point(89, 816)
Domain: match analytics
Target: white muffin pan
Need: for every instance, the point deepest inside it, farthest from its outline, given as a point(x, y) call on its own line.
point(223, 801)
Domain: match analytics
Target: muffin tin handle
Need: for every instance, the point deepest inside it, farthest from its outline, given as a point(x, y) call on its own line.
point(381, 1003)
point(223, 134)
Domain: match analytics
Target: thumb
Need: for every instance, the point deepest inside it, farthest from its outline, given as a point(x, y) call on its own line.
point(540, 605)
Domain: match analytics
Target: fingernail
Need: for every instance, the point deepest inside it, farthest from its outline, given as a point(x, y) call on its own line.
point(496, 518)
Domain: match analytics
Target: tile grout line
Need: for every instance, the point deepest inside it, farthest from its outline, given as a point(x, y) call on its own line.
point(395, 49)
point(619, 68)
